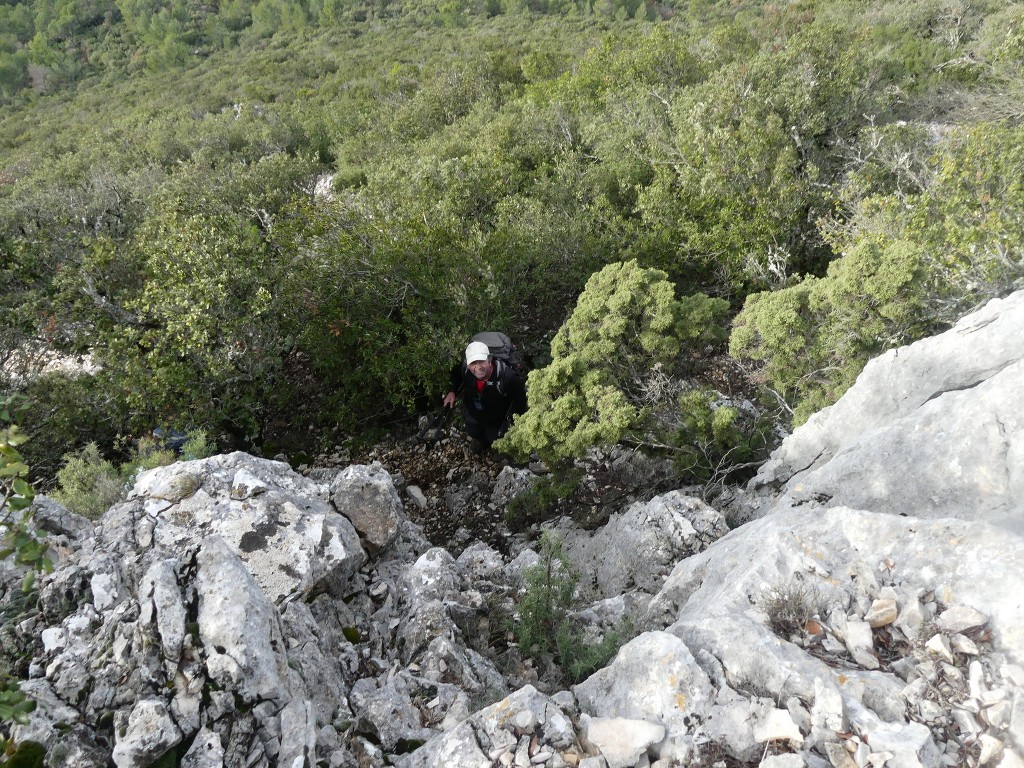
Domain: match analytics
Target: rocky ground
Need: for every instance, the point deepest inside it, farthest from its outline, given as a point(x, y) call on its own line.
point(454, 486)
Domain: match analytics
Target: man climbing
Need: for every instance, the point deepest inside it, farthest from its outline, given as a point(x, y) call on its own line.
point(492, 393)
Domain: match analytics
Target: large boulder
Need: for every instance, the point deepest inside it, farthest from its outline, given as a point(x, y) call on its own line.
point(279, 523)
point(367, 497)
point(934, 429)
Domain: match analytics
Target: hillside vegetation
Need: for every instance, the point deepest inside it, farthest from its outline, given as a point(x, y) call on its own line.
point(845, 176)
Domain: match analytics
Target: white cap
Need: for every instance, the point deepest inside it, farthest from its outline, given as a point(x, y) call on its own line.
point(477, 351)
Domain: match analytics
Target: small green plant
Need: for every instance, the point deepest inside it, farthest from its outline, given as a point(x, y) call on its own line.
point(20, 541)
point(545, 626)
point(580, 659)
point(14, 705)
point(540, 501)
point(20, 538)
point(147, 453)
point(714, 441)
point(198, 446)
point(88, 484)
point(549, 592)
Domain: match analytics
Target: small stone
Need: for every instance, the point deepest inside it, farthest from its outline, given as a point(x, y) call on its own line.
point(783, 761)
point(777, 725)
point(416, 496)
point(838, 756)
point(939, 645)
point(879, 759)
point(991, 749)
point(497, 752)
point(965, 722)
point(930, 711)
point(54, 638)
point(997, 715)
point(882, 612)
point(963, 644)
point(859, 643)
point(960, 618)
point(915, 692)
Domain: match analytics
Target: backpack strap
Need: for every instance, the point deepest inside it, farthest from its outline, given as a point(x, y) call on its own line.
point(499, 379)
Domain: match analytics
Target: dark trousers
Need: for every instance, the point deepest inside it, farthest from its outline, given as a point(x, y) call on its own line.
point(481, 430)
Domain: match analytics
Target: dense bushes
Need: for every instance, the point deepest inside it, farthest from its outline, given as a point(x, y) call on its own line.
point(480, 177)
point(909, 265)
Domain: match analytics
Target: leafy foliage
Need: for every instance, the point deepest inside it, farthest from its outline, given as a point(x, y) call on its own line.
point(20, 541)
point(544, 625)
point(476, 163)
point(910, 264)
point(19, 537)
point(88, 484)
point(626, 321)
point(717, 439)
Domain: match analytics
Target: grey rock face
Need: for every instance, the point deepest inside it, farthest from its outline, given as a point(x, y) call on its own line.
point(237, 626)
point(168, 619)
point(934, 429)
point(149, 733)
point(638, 548)
point(367, 497)
point(828, 567)
point(278, 523)
point(502, 729)
point(654, 679)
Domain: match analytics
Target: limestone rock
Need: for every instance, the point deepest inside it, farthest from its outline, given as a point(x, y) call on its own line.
point(367, 497)
point(637, 548)
point(934, 428)
point(493, 730)
point(150, 732)
point(291, 540)
point(620, 740)
point(653, 678)
point(511, 482)
point(237, 625)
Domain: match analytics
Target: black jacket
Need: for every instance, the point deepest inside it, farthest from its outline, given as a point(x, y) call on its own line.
point(503, 396)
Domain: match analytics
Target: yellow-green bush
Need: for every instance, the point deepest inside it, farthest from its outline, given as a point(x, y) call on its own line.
point(626, 321)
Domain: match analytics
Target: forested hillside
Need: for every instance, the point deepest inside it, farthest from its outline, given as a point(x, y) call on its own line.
point(278, 218)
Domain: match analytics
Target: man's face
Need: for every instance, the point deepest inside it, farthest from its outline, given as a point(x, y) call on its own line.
point(481, 369)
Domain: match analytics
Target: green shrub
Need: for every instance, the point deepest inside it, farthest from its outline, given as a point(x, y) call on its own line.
point(63, 413)
point(910, 265)
point(88, 484)
point(198, 446)
point(716, 440)
point(540, 501)
point(544, 625)
point(626, 321)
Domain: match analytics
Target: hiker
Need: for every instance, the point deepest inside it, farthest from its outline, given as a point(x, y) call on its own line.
point(492, 393)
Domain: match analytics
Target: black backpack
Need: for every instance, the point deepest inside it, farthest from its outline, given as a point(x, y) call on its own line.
point(501, 348)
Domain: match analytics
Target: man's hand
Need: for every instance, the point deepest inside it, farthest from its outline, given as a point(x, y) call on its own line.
point(449, 400)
